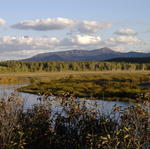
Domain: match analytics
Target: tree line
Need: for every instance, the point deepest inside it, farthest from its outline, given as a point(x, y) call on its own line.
point(56, 66)
point(131, 59)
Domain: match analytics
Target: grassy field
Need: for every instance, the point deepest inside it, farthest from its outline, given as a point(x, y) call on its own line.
point(107, 85)
point(7, 78)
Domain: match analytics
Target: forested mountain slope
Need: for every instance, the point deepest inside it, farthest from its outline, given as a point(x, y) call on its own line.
point(84, 55)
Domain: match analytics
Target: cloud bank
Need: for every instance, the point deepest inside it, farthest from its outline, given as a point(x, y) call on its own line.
point(20, 47)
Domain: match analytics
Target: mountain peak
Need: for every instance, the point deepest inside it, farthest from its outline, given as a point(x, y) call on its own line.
point(84, 55)
point(104, 50)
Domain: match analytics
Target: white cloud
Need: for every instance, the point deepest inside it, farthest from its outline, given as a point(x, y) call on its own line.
point(124, 40)
point(45, 24)
point(90, 27)
point(2, 22)
point(84, 39)
point(126, 32)
point(119, 48)
point(86, 27)
point(145, 44)
point(23, 42)
point(21, 47)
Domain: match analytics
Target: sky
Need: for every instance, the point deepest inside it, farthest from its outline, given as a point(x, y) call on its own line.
point(30, 27)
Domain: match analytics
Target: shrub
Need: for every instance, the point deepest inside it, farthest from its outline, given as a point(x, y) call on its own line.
point(74, 126)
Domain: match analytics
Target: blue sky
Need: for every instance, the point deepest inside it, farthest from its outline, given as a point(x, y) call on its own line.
point(53, 25)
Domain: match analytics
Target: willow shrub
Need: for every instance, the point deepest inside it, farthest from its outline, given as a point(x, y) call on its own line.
point(73, 125)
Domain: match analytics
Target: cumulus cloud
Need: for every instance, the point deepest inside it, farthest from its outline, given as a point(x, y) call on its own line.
point(2, 22)
point(126, 32)
point(23, 42)
point(45, 24)
point(86, 39)
point(124, 40)
point(22, 47)
point(82, 40)
point(119, 48)
point(90, 27)
point(86, 27)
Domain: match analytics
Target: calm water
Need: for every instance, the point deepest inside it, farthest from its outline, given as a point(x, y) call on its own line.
point(30, 100)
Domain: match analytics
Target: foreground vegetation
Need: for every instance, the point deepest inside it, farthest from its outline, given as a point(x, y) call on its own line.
point(107, 86)
point(75, 126)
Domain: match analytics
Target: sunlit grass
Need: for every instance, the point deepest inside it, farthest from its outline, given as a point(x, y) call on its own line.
point(124, 86)
point(14, 77)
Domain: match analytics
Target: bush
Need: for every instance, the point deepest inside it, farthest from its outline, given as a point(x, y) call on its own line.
point(76, 126)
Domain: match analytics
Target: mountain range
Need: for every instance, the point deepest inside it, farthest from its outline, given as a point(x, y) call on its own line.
point(102, 54)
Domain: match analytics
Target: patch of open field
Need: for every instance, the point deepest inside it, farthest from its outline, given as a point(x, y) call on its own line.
point(45, 76)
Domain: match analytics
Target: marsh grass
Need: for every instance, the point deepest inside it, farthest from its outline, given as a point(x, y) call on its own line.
point(76, 127)
point(107, 86)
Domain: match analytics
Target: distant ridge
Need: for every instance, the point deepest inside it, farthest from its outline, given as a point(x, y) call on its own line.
point(85, 55)
point(131, 59)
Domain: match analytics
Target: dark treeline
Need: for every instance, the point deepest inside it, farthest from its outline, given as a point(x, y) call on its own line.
point(55, 66)
point(131, 59)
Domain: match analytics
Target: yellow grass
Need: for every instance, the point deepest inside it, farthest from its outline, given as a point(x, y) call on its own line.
point(45, 76)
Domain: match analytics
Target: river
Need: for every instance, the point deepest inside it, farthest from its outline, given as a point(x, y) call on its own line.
point(31, 99)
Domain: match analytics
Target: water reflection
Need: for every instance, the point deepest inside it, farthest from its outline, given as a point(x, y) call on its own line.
point(30, 100)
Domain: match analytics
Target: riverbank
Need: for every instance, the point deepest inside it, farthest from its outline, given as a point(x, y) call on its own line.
point(111, 85)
